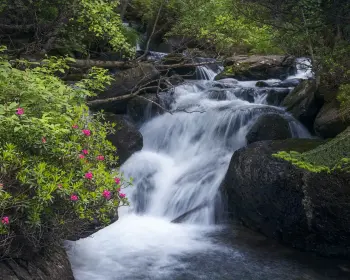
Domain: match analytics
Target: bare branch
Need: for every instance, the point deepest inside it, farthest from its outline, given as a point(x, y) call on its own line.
point(97, 102)
point(155, 103)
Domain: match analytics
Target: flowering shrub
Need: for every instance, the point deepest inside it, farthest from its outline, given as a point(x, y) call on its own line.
point(55, 162)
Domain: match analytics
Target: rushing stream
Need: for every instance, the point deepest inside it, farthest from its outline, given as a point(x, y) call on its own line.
point(182, 164)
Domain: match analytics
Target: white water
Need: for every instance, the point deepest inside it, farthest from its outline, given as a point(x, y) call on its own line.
point(304, 69)
point(184, 159)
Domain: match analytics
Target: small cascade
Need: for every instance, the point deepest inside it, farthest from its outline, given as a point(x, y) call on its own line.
point(180, 168)
point(205, 73)
point(156, 55)
point(304, 69)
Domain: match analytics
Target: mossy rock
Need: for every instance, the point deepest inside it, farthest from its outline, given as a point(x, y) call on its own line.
point(331, 152)
point(257, 67)
point(306, 210)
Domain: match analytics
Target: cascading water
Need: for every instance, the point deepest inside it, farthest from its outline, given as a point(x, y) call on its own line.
point(181, 166)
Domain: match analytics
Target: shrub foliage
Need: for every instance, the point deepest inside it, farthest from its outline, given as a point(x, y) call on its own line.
point(55, 162)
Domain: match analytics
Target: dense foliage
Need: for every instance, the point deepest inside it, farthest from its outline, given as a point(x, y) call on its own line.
point(67, 26)
point(55, 162)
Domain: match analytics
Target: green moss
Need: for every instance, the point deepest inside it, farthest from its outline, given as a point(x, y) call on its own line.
point(331, 156)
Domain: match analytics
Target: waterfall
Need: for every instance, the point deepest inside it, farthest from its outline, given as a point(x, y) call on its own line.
point(304, 69)
point(205, 73)
point(182, 164)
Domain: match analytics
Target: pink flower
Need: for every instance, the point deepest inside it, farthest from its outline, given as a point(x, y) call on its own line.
point(122, 195)
point(19, 111)
point(5, 220)
point(88, 176)
point(43, 140)
point(81, 156)
point(100, 157)
point(85, 152)
point(75, 126)
point(117, 180)
point(74, 197)
point(1, 186)
point(106, 194)
point(86, 132)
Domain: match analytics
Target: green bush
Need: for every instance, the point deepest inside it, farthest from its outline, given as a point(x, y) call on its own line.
point(55, 162)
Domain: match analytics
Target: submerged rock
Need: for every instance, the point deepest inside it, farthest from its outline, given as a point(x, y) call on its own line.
point(269, 127)
point(309, 211)
point(275, 96)
point(258, 67)
point(52, 264)
point(261, 84)
point(288, 83)
point(127, 139)
point(217, 94)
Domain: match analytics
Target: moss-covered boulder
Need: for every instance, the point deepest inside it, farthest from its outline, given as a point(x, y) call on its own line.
point(306, 210)
point(258, 67)
point(330, 153)
point(269, 127)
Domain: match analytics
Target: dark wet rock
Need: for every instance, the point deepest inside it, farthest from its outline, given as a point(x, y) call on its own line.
point(143, 107)
point(261, 84)
point(127, 139)
point(301, 102)
point(309, 211)
point(51, 264)
point(176, 80)
point(288, 83)
point(269, 127)
point(188, 72)
point(330, 121)
point(275, 96)
point(247, 94)
point(217, 94)
point(225, 83)
point(258, 67)
point(124, 83)
point(326, 91)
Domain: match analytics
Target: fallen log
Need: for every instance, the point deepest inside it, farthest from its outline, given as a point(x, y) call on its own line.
point(88, 63)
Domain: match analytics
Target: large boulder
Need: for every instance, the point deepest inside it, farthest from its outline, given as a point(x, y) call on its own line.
point(52, 264)
point(127, 139)
point(126, 82)
point(330, 121)
point(309, 211)
point(301, 102)
point(269, 127)
point(258, 67)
